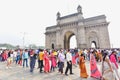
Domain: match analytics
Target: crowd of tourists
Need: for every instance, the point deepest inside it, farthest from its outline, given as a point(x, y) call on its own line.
point(50, 60)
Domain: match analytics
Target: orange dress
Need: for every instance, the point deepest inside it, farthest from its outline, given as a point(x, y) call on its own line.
point(83, 71)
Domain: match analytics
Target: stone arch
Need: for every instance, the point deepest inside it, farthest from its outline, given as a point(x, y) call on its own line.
point(86, 30)
point(93, 38)
point(67, 36)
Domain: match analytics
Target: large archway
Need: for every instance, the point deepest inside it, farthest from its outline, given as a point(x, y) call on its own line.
point(67, 38)
point(87, 30)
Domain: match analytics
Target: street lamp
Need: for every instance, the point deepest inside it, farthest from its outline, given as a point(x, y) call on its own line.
point(24, 33)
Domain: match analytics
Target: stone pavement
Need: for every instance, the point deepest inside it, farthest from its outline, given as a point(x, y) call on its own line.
point(19, 73)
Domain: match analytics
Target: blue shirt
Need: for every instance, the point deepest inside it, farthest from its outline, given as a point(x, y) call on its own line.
point(25, 55)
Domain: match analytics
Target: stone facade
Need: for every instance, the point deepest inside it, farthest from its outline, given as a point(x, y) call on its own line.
point(87, 31)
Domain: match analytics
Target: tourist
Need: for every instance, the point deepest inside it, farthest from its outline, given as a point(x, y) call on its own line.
point(41, 55)
point(69, 62)
point(118, 56)
point(25, 58)
point(32, 60)
point(61, 58)
point(38, 60)
point(100, 55)
point(46, 62)
point(95, 73)
point(83, 71)
point(53, 61)
point(85, 52)
point(4, 55)
point(14, 55)
point(20, 57)
point(9, 59)
point(113, 59)
point(73, 57)
point(107, 71)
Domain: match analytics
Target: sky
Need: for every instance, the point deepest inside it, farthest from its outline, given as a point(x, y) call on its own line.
point(28, 19)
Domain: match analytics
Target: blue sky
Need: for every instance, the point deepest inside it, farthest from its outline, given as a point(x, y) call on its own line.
point(33, 16)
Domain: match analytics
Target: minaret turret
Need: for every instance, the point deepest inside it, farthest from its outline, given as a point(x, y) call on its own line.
point(79, 9)
point(58, 15)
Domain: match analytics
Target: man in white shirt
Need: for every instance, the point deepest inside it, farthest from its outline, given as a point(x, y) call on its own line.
point(69, 62)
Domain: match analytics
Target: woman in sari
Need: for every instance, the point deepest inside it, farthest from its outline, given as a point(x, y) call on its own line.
point(107, 70)
point(113, 59)
point(53, 61)
point(46, 62)
point(83, 71)
point(73, 60)
point(95, 73)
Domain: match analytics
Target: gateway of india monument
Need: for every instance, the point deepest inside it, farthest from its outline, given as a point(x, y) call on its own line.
point(86, 30)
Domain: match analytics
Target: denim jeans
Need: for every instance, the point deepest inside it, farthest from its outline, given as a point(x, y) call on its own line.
point(25, 61)
point(0, 58)
point(32, 63)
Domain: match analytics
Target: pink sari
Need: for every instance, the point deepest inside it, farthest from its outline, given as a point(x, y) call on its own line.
point(53, 60)
point(113, 60)
point(46, 64)
point(73, 60)
point(93, 67)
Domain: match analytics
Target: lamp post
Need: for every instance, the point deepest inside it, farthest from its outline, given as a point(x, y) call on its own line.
point(23, 39)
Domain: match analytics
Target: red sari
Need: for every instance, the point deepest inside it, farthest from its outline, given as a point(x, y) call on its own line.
point(53, 60)
point(93, 67)
point(73, 60)
point(46, 63)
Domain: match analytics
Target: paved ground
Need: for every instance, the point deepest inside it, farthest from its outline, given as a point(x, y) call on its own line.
point(19, 73)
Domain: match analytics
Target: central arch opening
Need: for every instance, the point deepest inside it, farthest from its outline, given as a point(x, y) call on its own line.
point(93, 44)
point(69, 40)
point(73, 43)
